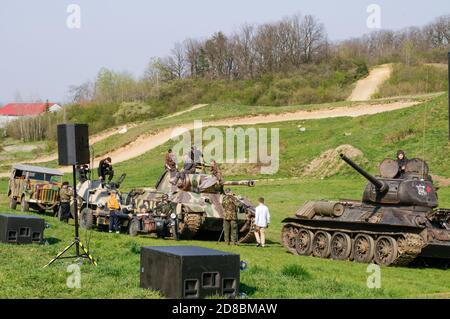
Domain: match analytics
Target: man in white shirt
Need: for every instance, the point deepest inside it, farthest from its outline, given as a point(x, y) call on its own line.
point(262, 221)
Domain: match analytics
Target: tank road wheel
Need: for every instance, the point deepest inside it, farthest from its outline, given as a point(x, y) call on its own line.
point(289, 234)
point(12, 203)
point(248, 237)
point(363, 248)
point(86, 218)
point(386, 250)
point(134, 227)
point(321, 245)
point(303, 242)
point(341, 246)
point(24, 207)
point(190, 225)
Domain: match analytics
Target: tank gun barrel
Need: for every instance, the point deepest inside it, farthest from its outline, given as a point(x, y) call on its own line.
point(248, 183)
point(379, 185)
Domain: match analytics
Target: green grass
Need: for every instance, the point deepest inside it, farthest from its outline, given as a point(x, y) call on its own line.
point(415, 79)
point(272, 271)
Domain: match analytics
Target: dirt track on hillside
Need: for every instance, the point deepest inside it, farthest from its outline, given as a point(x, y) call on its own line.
point(368, 86)
point(148, 142)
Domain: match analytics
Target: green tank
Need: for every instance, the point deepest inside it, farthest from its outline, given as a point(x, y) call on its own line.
point(396, 222)
point(191, 208)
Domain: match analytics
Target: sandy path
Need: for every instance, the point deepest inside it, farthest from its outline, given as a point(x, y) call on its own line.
point(195, 107)
point(146, 143)
point(368, 86)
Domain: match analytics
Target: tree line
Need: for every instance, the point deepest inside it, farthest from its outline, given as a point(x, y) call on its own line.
point(253, 51)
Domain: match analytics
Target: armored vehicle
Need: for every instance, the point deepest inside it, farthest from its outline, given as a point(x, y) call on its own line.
point(195, 207)
point(92, 200)
point(396, 222)
point(34, 187)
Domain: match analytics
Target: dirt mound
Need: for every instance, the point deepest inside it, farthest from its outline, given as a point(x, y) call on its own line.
point(329, 162)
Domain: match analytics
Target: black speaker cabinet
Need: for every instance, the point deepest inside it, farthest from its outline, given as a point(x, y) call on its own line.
point(21, 229)
point(189, 271)
point(73, 144)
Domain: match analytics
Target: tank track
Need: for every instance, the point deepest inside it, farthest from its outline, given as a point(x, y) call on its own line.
point(409, 245)
point(192, 224)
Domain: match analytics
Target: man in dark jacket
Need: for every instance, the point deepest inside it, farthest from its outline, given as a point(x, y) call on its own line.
point(105, 168)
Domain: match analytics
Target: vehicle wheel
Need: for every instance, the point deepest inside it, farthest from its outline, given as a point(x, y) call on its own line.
point(363, 248)
point(289, 235)
point(134, 227)
point(386, 250)
point(321, 244)
point(25, 207)
point(86, 218)
point(341, 246)
point(303, 242)
point(12, 203)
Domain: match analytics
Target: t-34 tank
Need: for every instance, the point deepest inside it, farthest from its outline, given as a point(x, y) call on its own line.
point(195, 207)
point(396, 221)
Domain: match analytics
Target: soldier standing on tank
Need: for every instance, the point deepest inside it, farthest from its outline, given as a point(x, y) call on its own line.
point(83, 172)
point(105, 168)
point(401, 161)
point(170, 161)
point(229, 218)
point(215, 171)
point(65, 195)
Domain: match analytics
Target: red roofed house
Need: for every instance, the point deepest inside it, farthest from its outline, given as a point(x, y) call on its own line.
point(14, 111)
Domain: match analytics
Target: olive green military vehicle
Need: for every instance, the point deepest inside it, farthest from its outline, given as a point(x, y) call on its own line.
point(92, 200)
point(397, 221)
point(195, 208)
point(35, 188)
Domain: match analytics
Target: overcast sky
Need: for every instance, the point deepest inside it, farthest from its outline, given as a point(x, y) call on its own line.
point(41, 56)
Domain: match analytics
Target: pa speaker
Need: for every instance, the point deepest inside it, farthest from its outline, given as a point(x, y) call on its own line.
point(190, 272)
point(16, 229)
point(73, 144)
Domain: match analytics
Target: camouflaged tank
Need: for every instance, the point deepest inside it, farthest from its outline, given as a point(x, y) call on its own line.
point(196, 208)
point(396, 222)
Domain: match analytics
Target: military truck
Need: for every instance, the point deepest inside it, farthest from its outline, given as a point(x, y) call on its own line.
point(92, 201)
point(196, 208)
point(34, 188)
point(396, 223)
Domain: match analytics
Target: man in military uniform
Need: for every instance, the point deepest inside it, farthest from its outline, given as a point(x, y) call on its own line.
point(105, 168)
point(83, 172)
point(188, 168)
point(164, 208)
point(170, 161)
point(65, 195)
point(215, 171)
point(229, 218)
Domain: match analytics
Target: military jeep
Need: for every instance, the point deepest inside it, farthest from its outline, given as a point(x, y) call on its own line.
point(35, 188)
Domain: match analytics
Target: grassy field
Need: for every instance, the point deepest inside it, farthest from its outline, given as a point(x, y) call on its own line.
point(421, 131)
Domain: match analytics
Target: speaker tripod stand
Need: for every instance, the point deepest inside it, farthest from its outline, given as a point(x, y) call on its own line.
point(76, 242)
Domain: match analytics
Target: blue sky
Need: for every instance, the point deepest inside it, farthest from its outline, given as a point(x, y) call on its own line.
point(40, 56)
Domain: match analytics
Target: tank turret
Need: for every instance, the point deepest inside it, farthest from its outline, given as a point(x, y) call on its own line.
point(410, 190)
